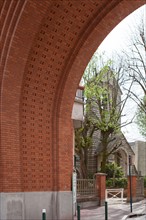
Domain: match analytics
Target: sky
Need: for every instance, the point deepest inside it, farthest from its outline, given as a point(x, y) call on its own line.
point(118, 40)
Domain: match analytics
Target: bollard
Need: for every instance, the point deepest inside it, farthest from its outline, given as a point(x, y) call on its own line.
point(78, 211)
point(44, 214)
point(106, 211)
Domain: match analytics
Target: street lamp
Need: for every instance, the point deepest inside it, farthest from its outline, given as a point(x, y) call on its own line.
point(130, 182)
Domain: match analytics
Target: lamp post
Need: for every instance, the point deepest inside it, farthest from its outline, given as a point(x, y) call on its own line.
point(130, 182)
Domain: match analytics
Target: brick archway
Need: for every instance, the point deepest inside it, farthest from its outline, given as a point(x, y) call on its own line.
point(45, 49)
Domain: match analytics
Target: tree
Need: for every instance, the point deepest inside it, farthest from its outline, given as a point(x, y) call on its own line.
point(83, 141)
point(141, 121)
point(103, 112)
point(135, 60)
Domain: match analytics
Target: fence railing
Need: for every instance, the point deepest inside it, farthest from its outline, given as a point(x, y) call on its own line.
point(140, 187)
point(86, 187)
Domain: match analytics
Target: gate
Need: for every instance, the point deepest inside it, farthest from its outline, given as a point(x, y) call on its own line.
point(114, 195)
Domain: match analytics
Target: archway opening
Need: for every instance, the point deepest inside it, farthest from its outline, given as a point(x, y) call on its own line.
point(121, 156)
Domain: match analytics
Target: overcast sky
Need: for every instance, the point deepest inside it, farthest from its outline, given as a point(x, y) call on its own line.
point(118, 40)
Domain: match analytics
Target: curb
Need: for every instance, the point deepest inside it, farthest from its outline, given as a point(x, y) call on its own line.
point(134, 215)
point(124, 218)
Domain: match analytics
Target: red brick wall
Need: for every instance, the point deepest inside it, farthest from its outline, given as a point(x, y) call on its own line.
point(45, 49)
point(101, 187)
point(133, 188)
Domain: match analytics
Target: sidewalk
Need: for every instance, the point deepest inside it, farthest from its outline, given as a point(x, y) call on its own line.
point(115, 211)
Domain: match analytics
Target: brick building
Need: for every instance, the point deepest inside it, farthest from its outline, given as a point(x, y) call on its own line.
point(45, 47)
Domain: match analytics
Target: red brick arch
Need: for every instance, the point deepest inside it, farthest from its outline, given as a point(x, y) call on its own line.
point(45, 49)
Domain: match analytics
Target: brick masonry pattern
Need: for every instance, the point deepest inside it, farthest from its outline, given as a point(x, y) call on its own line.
point(45, 47)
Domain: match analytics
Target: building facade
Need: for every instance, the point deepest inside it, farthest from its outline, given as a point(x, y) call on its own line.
point(139, 148)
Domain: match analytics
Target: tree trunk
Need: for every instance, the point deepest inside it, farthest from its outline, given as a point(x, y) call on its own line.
point(104, 152)
point(103, 163)
point(83, 163)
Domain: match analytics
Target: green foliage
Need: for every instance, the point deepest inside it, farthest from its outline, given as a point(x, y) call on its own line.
point(81, 140)
point(102, 110)
point(115, 176)
point(117, 183)
point(145, 182)
point(141, 120)
point(109, 183)
point(113, 170)
point(101, 93)
point(97, 64)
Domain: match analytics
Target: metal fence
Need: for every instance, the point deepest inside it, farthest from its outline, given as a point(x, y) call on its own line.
point(140, 187)
point(86, 187)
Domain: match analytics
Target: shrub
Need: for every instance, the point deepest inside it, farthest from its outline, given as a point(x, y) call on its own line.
point(113, 170)
point(145, 182)
point(116, 183)
point(121, 182)
point(115, 176)
point(109, 183)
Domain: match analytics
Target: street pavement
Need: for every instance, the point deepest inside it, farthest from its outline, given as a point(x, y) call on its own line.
point(116, 211)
